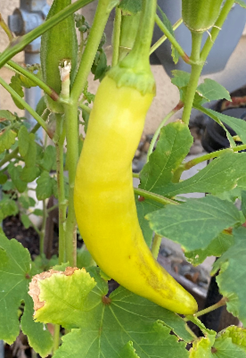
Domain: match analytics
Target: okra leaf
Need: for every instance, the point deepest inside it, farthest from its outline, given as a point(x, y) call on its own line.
point(221, 175)
point(25, 221)
point(195, 223)
point(39, 337)
point(201, 348)
point(212, 90)
point(168, 24)
point(145, 207)
point(180, 78)
point(3, 178)
point(172, 147)
point(29, 174)
point(15, 175)
point(27, 146)
point(7, 139)
point(26, 201)
point(23, 137)
point(236, 335)
point(232, 339)
point(216, 116)
point(243, 202)
point(30, 157)
point(15, 274)
point(73, 300)
point(217, 247)
point(48, 161)
point(232, 273)
point(241, 3)
point(237, 124)
point(128, 351)
point(8, 207)
point(45, 186)
point(6, 115)
point(17, 86)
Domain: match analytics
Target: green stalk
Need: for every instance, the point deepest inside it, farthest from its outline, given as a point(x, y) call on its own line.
point(62, 204)
point(103, 10)
point(21, 70)
point(218, 153)
point(19, 43)
point(116, 36)
point(138, 58)
point(216, 29)
point(156, 197)
point(95, 36)
point(164, 37)
point(72, 135)
point(172, 39)
point(84, 107)
point(42, 231)
point(156, 245)
point(27, 107)
point(198, 60)
point(5, 28)
point(157, 132)
point(56, 341)
point(71, 115)
point(219, 304)
point(196, 69)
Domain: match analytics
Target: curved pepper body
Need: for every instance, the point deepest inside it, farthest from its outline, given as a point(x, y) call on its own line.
point(104, 198)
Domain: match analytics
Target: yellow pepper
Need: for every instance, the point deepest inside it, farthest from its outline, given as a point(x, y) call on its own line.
point(103, 194)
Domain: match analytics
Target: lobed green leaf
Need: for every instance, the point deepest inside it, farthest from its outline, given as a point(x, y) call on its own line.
point(195, 223)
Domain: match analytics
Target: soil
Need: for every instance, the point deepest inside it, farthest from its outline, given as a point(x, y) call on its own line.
point(13, 228)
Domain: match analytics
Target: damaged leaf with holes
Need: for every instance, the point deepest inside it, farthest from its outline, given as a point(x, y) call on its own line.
point(78, 301)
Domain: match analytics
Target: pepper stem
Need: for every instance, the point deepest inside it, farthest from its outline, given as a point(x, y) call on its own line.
point(139, 55)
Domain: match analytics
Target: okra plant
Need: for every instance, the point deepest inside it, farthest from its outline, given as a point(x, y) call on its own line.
point(64, 305)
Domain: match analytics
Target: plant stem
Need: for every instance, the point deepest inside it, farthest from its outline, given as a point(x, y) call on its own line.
point(196, 69)
point(68, 244)
point(19, 43)
point(116, 36)
point(135, 175)
point(56, 341)
point(157, 132)
point(71, 162)
point(21, 70)
point(62, 204)
point(27, 107)
point(212, 155)
point(5, 28)
point(172, 39)
point(164, 37)
point(85, 107)
point(52, 208)
point(219, 304)
point(94, 38)
point(156, 245)
point(216, 29)
point(138, 58)
point(42, 231)
point(156, 197)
